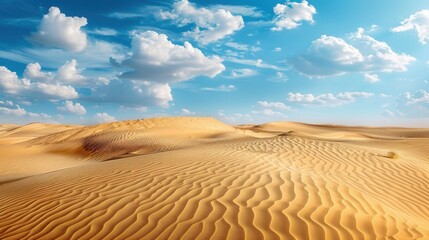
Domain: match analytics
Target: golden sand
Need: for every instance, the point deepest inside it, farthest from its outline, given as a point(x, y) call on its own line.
point(198, 178)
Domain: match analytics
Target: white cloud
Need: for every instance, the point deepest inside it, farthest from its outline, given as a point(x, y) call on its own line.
point(418, 21)
point(69, 73)
point(185, 111)
point(235, 117)
point(11, 84)
point(138, 93)
point(247, 11)
point(277, 105)
point(221, 88)
point(327, 99)
point(104, 32)
point(277, 49)
point(268, 112)
point(372, 78)
point(243, 47)
point(330, 56)
point(34, 71)
point(59, 31)
point(154, 58)
point(291, 14)
point(210, 25)
point(419, 97)
point(280, 77)
point(243, 72)
point(18, 111)
point(256, 63)
point(75, 108)
point(104, 117)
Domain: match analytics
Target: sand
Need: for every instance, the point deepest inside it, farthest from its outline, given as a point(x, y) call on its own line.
point(198, 178)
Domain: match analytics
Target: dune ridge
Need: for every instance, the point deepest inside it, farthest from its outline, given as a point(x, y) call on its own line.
point(198, 178)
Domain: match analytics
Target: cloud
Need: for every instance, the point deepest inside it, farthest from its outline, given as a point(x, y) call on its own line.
point(247, 11)
point(327, 99)
point(256, 63)
point(10, 83)
point(419, 97)
point(372, 78)
point(155, 59)
point(34, 71)
point(138, 93)
point(419, 22)
point(243, 72)
point(104, 117)
point(279, 77)
point(104, 32)
point(210, 25)
point(276, 105)
point(269, 112)
point(69, 73)
point(59, 31)
point(330, 56)
point(185, 111)
point(17, 111)
point(75, 108)
point(221, 88)
point(277, 49)
point(291, 14)
point(243, 47)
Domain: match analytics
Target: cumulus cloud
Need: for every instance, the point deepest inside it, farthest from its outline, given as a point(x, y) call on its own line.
point(104, 117)
point(138, 93)
point(10, 83)
point(419, 22)
point(327, 99)
point(291, 14)
point(59, 31)
point(372, 78)
point(16, 111)
point(185, 111)
point(210, 24)
point(243, 72)
point(276, 105)
point(330, 56)
point(34, 71)
point(247, 11)
point(75, 108)
point(154, 58)
point(69, 72)
point(220, 88)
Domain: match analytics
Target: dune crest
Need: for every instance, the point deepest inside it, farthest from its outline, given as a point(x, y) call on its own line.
point(198, 178)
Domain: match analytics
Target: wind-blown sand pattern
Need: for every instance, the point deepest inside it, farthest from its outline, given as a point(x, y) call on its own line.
point(197, 178)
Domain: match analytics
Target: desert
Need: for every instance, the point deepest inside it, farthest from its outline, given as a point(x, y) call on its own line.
point(199, 178)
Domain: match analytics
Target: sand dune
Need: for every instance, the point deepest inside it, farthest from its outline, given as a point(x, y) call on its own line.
point(198, 178)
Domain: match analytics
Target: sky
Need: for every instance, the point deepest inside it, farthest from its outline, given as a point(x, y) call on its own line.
point(331, 62)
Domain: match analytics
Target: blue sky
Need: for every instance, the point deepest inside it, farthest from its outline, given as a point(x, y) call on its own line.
point(339, 62)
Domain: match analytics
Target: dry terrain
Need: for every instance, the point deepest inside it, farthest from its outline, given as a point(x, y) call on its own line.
point(198, 178)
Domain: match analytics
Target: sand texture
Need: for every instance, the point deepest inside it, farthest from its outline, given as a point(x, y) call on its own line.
point(198, 178)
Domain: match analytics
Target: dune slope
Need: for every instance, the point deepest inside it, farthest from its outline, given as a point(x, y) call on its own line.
point(197, 178)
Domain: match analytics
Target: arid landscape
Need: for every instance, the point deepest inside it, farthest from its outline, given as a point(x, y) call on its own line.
point(198, 178)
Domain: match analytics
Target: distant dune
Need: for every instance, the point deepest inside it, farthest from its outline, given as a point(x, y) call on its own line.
point(198, 178)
